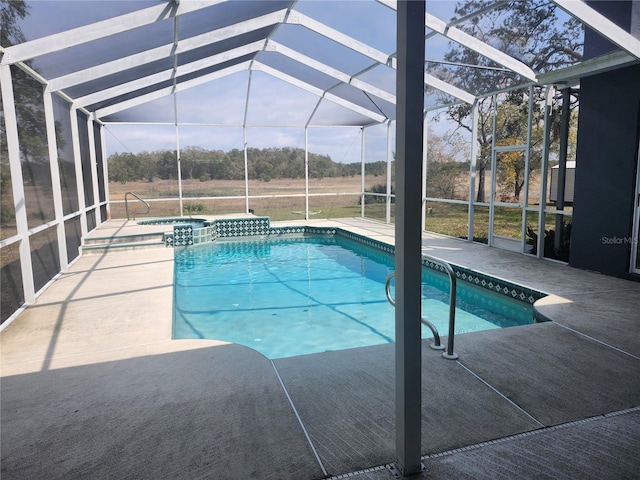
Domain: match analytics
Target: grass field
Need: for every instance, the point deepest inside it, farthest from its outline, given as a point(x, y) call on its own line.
point(444, 218)
point(278, 208)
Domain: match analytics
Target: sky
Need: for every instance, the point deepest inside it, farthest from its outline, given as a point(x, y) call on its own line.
point(271, 101)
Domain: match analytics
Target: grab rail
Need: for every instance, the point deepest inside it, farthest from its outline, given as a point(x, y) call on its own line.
point(449, 354)
point(437, 344)
point(126, 204)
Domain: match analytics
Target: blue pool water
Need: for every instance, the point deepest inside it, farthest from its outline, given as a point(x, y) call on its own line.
point(303, 295)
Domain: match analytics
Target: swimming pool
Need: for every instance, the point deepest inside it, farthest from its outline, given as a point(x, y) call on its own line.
point(307, 294)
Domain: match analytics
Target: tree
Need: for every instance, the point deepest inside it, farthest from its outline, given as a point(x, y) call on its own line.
point(10, 13)
point(530, 33)
point(444, 170)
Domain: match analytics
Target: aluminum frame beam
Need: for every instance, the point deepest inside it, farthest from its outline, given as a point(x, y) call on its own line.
point(466, 40)
point(319, 92)
point(297, 18)
point(273, 46)
point(602, 25)
point(571, 75)
point(105, 28)
point(374, 54)
point(169, 74)
point(449, 89)
point(148, 56)
point(165, 92)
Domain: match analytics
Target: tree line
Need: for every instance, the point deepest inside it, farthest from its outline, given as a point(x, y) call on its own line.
point(262, 164)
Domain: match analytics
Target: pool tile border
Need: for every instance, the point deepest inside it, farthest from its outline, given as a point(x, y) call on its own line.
point(185, 234)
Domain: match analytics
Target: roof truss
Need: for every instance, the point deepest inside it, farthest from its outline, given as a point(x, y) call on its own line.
point(174, 9)
point(602, 25)
point(76, 36)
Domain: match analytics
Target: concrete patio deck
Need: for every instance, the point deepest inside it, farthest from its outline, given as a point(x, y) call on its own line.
point(94, 387)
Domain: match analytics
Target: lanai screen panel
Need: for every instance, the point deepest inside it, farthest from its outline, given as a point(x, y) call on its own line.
point(272, 101)
point(34, 152)
point(7, 208)
point(221, 102)
point(66, 162)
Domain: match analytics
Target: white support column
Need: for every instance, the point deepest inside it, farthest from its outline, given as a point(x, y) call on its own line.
point(362, 172)
point(306, 172)
point(527, 161)
point(17, 183)
point(472, 168)
point(425, 147)
point(179, 166)
point(246, 169)
point(244, 142)
point(105, 171)
point(55, 180)
point(77, 159)
point(494, 165)
point(94, 172)
point(409, 132)
point(389, 158)
point(544, 169)
point(565, 119)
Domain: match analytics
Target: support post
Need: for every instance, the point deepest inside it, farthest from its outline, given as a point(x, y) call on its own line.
point(389, 159)
point(409, 138)
point(246, 169)
point(425, 149)
point(544, 169)
point(94, 171)
point(55, 180)
point(77, 159)
point(105, 171)
point(17, 183)
point(244, 143)
point(527, 168)
point(562, 168)
point(472, 169)
point(179, 166)
point(494, 168)
point(306, 172)
point(362, 173)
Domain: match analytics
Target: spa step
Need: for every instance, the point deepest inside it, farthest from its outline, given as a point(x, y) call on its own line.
point(123, 242)
point(138, 237)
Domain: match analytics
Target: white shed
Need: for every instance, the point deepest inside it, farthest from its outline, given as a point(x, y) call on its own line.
point(568, 184)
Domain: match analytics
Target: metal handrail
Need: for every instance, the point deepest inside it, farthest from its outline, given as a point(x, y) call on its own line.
point(126, 204)
point(449, 354)
point(437, 344)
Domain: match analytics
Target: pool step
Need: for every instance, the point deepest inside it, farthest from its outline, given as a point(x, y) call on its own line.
point(123, 242)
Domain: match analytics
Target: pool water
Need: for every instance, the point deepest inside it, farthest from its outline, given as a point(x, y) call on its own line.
point(311, 294)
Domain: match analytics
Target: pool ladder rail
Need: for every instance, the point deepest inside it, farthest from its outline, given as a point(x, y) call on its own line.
point(126, 205)
point(437, 344)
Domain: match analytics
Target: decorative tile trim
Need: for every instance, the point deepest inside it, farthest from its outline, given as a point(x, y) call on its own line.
point(496, 285)
point(370, 242)
point(182, 235)
point(242, 227)
point(286, 231)
point(168, 240)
